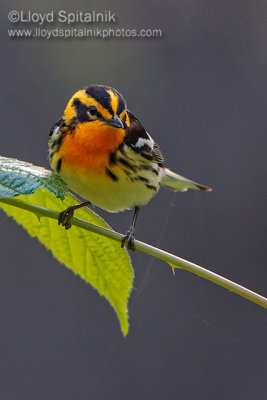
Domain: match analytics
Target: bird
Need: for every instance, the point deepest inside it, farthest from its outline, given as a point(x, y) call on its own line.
point(105, 155)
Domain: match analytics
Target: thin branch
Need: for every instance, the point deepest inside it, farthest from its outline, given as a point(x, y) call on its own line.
point(146, 248)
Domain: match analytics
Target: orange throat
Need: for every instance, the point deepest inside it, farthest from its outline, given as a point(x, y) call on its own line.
point(88, 146)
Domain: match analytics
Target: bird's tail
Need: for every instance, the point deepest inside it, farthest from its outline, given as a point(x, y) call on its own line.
point(179, 183)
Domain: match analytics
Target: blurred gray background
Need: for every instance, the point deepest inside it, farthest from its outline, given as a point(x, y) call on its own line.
point(201, 92)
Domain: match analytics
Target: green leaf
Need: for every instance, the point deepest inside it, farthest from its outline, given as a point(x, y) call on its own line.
point(19, 177)
point(95, 258)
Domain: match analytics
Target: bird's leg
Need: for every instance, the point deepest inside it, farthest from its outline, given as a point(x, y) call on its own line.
point(66, 215)
point(129, 237)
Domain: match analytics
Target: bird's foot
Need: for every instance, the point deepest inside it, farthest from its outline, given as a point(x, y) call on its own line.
point(65, 217)
point(128, 240)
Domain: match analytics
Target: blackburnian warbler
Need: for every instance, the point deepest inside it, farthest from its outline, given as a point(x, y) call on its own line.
point(104, 154)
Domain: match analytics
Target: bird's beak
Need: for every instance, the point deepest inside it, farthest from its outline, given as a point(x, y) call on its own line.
point(115, 121)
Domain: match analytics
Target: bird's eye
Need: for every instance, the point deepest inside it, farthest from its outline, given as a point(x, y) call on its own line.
point(92, 110)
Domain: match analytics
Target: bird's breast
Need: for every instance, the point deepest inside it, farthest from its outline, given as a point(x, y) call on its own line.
point(87, 147)
point(124, 182)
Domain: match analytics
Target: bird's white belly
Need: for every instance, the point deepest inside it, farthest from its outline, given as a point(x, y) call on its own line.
point(113, 196)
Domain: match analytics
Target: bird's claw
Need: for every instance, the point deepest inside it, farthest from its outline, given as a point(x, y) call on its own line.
point(128, 240)
point(65, 217)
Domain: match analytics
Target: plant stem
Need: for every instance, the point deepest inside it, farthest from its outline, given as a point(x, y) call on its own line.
point(146, 248)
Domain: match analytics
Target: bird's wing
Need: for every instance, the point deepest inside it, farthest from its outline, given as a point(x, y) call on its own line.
point(141, 142)
point(56, 127)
